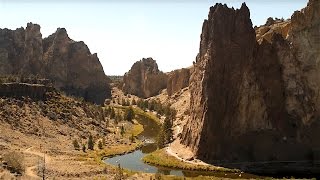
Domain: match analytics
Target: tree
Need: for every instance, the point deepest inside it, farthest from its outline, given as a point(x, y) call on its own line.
point(90, 142)
point(132, 138)
point(83, 147)
point(133, 102)
point(100, 146)
point(161, 139)
point(103, 141)
point(167, 129)
point(123, 103)
point(127, 102)
point(76, 144)
point(112, 113)
point(129, 115)
point(122, 130)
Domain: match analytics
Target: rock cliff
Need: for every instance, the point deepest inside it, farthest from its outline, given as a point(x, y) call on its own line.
point(177, 80)
point(144, 79)
point(69, 64)
point(256, 102)
point(19, 90)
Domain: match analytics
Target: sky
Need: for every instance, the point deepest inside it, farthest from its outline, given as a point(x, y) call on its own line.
point(122, 32)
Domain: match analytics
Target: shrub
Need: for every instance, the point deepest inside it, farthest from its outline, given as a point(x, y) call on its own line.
point(100, 146)
point(129, 116)
point(83, 147)
point(132, 138)
point(90, 142)
point(122, 130)
point(76, 144)
point(14, 161)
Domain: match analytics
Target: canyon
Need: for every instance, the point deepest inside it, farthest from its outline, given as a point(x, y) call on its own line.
point(249, 103)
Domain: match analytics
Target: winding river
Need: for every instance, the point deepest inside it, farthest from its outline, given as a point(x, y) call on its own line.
point(133, 161)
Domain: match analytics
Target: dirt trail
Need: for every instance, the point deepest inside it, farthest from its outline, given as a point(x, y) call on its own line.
point(177, 150)
point(30, 170)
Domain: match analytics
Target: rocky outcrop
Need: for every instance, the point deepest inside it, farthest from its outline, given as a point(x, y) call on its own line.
point(255, 102)
point(69, 64)
point(19, 90)
point(144, 79)
point(278, 26)
point(177, 80)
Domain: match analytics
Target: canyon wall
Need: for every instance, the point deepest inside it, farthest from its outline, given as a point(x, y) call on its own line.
point(177, 80)
point(144, 79)
point(68, 63)
point(256, 100)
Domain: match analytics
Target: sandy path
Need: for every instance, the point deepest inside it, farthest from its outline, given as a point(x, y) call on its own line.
point(171, 153)
point(177, 150)
point(29, 170)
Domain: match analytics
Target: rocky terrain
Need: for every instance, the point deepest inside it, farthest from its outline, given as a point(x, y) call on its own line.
point(256, 102)
point(144, 79)
point(68, 63)
point(38, 120)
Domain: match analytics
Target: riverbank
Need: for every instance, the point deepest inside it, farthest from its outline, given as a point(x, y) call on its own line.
point(163, 159)
point(140, 112)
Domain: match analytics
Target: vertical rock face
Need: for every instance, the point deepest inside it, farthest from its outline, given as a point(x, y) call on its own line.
point(69, 64)
point(255, 101)
point(144, 79)
point(177, 80)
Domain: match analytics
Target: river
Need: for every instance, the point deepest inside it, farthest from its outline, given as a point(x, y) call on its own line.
point(133, 161)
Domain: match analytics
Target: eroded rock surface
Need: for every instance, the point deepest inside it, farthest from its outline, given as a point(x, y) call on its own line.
point(256, 102)
point(177, 80)
point(144, 79)
point(69, 64)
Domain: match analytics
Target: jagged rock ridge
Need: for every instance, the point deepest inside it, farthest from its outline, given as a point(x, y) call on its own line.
point(253, 102)
point(144, 79)
point(69, 64)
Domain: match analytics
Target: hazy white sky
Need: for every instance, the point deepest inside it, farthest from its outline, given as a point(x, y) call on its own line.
point(124, 31)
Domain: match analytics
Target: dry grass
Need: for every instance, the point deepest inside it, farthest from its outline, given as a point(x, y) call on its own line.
point(161, 158)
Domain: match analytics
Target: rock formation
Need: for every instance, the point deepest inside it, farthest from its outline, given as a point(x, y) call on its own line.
point(254, 102)
point(144, 79)
point(69, 64)
point(177, 80)
point(273, 27)
point(19, 90)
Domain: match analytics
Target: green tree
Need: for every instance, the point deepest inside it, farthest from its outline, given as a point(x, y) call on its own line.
point(127, 102)
point(161, 139)
point(123, 103)
point(100, 146)
point(132, 138)
point(167, 129)
point(129, 115)
point(83, 147)
point(103, 141)
point(112, 113)
point(122, 130)
point(76, 144)
point(133, 102)
point(90, 142)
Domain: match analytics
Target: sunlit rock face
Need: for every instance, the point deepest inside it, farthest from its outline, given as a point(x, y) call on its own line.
point(144, 79)
point(256, 98)
point(177, 80)
point(69, 64)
